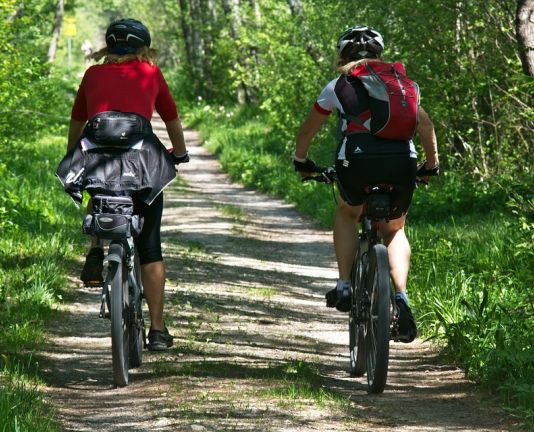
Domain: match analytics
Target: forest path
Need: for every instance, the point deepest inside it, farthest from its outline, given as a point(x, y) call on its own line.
point(255, 347)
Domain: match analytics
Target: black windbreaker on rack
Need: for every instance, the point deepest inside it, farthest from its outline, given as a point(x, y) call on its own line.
point(142, 169)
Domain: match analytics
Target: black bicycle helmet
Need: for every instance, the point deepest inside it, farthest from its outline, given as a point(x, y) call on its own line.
point(126, 36)
point(360, 42)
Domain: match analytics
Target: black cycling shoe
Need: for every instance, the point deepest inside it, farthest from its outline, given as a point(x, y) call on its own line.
point(159, 340)
point(407, 329)
point(92, 270)
point(342, 305)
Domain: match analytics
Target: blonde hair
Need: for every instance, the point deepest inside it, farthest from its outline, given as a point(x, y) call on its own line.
point(346, 67)
point(143, 54)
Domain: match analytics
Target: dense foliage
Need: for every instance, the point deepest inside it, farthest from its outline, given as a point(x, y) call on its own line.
point(472, 267)
point(35, 218)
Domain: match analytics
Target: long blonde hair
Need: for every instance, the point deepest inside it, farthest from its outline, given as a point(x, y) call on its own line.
point(143, 54)
point(346, 67)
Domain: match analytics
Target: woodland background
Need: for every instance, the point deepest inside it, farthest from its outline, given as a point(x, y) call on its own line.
point(245, 73)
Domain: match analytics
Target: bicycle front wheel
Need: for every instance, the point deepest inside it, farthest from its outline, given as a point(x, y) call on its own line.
point(378, 325)
point(118, 283)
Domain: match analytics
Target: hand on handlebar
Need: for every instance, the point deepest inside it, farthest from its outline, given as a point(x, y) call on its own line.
point(305, 169)
point(178, 159)
point(321, 175)
point(423, 173)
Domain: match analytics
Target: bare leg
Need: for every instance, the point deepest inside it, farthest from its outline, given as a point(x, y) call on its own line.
point(345, 239)
point(399, 251)
point(153, 276)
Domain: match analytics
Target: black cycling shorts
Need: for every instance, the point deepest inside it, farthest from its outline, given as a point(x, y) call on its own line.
point(397, 170)
point(149, 241)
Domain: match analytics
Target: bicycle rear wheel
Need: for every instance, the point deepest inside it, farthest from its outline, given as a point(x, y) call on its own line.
point(378, 325)
point(358, 364)
point(118, 283)
point(136, 322)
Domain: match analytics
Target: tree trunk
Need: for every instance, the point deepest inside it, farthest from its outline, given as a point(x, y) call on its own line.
point(297, 11)
point(524, 25)
point(60, 10)
point(295, 6)
point(196, 38)
point(209, 20)
point(185, 22)
point(253, 58)
point(17, 13)
point(232, 11)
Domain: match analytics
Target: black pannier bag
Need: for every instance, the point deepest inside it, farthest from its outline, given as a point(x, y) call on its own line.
point(117, 129)
point(113, 218)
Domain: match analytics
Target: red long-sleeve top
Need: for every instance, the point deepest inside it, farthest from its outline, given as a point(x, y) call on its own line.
point(132, 86)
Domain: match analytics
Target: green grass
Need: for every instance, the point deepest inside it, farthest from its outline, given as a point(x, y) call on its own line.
point(296, 383)
point(471, 277)
point(293, 383)
point(233, 212)
point(38, 245)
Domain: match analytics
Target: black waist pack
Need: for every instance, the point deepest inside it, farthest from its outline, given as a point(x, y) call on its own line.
point(117, 129)
point(113, 218)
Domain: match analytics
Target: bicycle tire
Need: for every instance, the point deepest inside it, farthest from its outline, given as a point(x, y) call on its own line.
point(119, 315)
point(378, 325)
point(136, 323)
point(358, 362)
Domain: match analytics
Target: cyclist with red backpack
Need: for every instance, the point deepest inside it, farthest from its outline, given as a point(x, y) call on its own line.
point(378, 110)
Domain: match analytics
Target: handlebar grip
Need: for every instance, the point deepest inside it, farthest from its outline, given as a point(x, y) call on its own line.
point(422, 171)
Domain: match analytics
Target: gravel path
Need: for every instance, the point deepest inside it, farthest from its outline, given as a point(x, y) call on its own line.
point(255, 348)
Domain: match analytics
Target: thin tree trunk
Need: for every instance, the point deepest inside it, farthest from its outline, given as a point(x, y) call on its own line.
point(254, 57)
point(524, 25)
point(209, 19)
point(16, 13)
point(297, 11)
point(60, 10)
point(232, 11)
point(186, 30)
point(196, 38)
point(295, 6)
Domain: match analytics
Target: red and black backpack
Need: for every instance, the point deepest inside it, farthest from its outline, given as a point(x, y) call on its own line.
point(393, 101)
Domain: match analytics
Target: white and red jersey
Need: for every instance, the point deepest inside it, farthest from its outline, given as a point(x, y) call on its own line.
point(346, 95)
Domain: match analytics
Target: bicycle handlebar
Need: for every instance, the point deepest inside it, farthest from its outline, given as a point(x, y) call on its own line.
point(325, 175)
point(328, 174)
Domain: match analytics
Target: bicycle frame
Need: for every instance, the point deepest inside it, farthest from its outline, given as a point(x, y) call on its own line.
point(122, 290)
point(373, 314)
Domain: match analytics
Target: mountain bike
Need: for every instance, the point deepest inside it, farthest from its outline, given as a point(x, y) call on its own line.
point(113, 220)
point(373, 316)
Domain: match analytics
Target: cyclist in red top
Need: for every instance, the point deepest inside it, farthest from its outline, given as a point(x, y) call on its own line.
point(130, 83)
point(363, 159)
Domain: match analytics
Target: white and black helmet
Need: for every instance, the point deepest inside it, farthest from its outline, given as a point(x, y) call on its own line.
point(126, 36)
point(360, 42)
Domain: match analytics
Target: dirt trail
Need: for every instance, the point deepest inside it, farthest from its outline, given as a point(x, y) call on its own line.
point(256, 350)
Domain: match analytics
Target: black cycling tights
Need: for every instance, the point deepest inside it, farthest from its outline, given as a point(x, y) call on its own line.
point(149, 242)
point(362, 172)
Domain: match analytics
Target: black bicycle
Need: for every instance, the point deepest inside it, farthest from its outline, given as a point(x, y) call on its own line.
point(113, 219)
point(373, 316)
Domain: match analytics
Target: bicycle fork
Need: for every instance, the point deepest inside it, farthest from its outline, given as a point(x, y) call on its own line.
point(114, 255)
